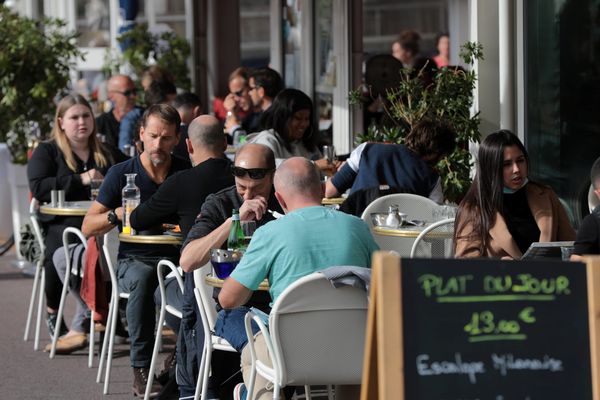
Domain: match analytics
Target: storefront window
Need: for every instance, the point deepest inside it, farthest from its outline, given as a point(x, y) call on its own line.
point(93, 23)
point(324, 63)
point(254, 33)
point(562, 76)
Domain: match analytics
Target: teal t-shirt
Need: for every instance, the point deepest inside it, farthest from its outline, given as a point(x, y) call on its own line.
point(304, 241)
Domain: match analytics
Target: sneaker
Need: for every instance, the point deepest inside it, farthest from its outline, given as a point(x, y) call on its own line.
point(140, 380)
point(69, 344)
point(51, 320)
point(240, 392)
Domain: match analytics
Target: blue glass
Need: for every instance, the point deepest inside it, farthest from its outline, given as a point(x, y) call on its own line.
point(224, 269)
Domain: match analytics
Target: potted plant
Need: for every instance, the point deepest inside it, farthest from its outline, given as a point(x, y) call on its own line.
point(35, 64)
point(449, 96)
point(141, 49)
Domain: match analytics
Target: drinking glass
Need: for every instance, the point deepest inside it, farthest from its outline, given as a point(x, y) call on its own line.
point(248, 227)
point(95, 188)
point(329, 153)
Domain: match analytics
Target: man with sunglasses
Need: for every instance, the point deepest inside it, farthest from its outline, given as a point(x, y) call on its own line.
point(253, 195)
point(122, 95)
point(263, 86)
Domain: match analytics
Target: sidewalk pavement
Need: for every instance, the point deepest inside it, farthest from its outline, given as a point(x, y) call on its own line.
point(32, 374)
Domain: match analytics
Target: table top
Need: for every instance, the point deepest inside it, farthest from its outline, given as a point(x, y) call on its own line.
point(411, 232)
point(70, 208)
point(213, 281)
point(151, 239)
point(332, 201)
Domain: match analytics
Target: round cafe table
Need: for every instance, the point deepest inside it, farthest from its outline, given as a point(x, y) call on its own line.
point(151, 239)
point(213, 281)
point(401, 239)
point(70, 208)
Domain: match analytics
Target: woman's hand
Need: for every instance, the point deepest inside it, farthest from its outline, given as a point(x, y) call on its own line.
point(87, 176)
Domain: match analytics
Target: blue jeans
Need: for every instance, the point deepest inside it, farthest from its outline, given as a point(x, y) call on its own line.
point(137, 276)
point(230, 326)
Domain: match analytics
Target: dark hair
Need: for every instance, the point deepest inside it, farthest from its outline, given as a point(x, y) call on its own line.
point(281, 112)
point(485, 196)
point(159, 92)
point(431, 139)
point(165, 112)
point(595, 174)
point(409, 41)
point(440, 36)
point(269, 80)
point(187, 99)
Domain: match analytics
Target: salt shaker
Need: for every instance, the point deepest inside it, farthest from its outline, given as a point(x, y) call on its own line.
point(393, 219)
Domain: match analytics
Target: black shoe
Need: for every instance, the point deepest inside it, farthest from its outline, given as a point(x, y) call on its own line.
point(140, 380)
point(168, 367)
point(51, 320)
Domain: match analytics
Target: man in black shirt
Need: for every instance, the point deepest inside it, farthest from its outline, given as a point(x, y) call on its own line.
point(122, 94)
point(588, 235)
point(137, 262)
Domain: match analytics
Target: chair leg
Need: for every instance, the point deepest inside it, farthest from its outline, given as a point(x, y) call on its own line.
point(36, 340)
point(61, 307)
point(276, 390)
point(34, 290)
point(200, 379)
point(307, 392)
point(91, 342)
point(104, 348)
point(157, 345)
point(206, 372)
point(111, 344)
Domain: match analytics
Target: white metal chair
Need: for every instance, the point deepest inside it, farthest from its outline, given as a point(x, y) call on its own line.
point(208, 313)
point(164, 308)
point(593, 200)
point(435, 241)
point(63, 296)
point(39, 279)
point(109, 250)
point(316, 336)
point(415, 207)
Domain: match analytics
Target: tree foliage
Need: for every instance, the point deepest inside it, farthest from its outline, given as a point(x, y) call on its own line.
point(35, 63)
point(449, 97)
point(143, 48)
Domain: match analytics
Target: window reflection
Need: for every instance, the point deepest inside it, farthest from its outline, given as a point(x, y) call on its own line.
point(93, 23)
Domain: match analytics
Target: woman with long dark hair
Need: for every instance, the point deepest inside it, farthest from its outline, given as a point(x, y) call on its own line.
point(68, 161)
point(289, 129)
point(503, 211)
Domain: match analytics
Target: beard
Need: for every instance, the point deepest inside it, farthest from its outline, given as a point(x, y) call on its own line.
point(157, 158)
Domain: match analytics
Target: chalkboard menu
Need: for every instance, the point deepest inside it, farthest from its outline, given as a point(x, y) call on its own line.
point(484, 329)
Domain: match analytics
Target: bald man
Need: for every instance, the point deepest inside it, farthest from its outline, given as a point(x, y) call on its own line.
point(307, 239)
point(123, 95)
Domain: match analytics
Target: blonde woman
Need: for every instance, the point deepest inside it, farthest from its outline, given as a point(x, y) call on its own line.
point(68, 161)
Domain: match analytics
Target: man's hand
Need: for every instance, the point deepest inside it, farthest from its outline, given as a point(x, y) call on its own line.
point(253, 209)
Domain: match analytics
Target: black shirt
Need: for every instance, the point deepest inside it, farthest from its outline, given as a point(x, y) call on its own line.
point(588, 234)
point(182, 194)
point(519, 219)
point(110, 197)
point(108, 126)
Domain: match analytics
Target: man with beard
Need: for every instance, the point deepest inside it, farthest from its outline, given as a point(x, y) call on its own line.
point(136, 273)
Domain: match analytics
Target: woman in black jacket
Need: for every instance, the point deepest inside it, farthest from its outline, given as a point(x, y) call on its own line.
point(68, 161)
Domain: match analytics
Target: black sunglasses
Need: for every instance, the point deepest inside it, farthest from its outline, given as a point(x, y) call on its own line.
point(239, 93)
point(127, 93)
point(253, 173)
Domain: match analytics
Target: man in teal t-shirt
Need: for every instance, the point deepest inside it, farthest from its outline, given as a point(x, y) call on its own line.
point(307, 239)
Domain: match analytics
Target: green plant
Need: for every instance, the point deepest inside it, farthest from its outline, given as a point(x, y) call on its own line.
point(142, 48)
point(448, 96)
point(35, 62)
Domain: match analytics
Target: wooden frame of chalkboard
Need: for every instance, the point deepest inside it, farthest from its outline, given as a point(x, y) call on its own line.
point(482, 329)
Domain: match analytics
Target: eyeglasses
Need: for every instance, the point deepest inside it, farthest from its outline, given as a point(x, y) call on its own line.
point(253, 88)
point(239, 93)
point(253, 173)
point(127, 93)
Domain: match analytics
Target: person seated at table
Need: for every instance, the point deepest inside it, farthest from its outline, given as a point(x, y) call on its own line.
point(252, 195)
point(307, 239)
point(504, 212)
point(289, 129)
point(68, 161)
point(408, 167)
point(183, 193)
point(588, 234)
point(137, 262)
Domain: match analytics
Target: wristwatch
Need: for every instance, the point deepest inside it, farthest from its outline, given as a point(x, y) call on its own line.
point(112, 217)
